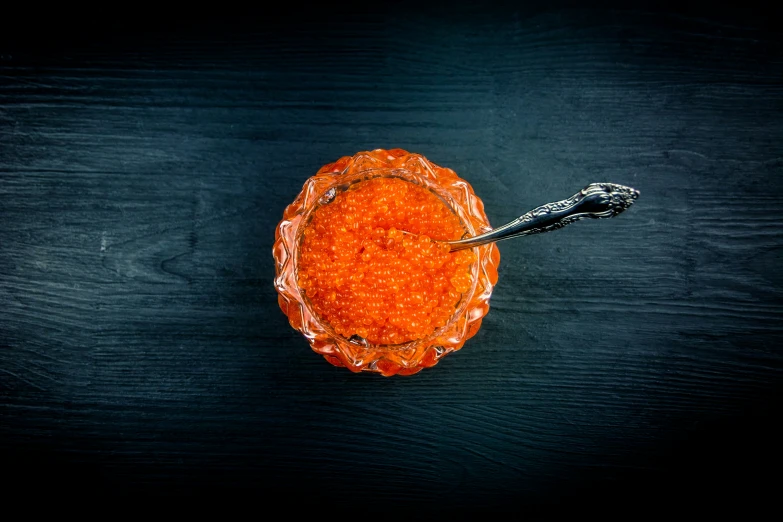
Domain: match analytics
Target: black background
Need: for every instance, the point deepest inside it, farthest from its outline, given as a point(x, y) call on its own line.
point(145, 164)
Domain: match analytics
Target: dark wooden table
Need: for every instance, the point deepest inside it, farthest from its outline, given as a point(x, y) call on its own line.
point(143, 171)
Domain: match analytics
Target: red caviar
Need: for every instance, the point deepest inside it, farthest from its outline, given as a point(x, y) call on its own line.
point(365, 276)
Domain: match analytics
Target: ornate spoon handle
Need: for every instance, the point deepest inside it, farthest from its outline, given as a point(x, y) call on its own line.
point(597, 200)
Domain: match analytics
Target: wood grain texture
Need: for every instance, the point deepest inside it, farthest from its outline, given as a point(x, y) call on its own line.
point(142, 176)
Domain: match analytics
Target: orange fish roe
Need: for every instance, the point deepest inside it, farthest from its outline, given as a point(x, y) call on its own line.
point(365, 277)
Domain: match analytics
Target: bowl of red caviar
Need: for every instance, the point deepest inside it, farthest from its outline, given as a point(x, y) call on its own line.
point(361, 271)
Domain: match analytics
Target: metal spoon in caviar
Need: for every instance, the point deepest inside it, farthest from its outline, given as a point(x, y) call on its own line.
point(597, 200)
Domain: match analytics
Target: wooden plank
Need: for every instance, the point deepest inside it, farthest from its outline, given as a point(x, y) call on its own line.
point(141, 182)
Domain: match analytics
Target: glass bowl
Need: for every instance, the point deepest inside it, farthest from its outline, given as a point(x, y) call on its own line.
point(357, 354)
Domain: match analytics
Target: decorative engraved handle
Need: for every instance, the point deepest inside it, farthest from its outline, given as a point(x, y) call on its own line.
point(597, 200)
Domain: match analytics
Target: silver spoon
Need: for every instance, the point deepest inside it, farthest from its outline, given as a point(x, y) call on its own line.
point(597, 200)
